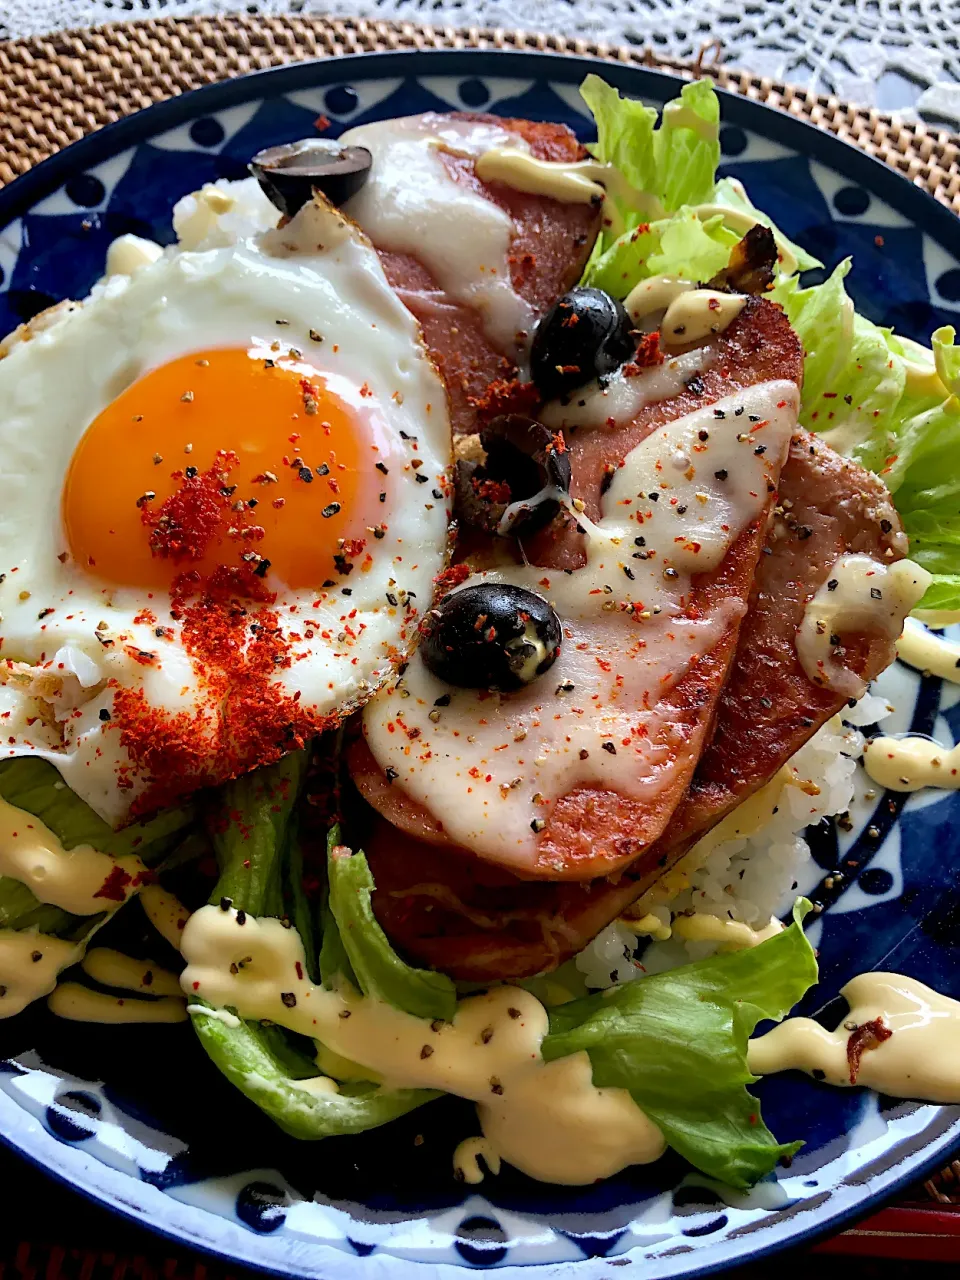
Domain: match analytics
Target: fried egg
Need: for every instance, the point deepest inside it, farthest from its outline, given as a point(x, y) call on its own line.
point(224, 497)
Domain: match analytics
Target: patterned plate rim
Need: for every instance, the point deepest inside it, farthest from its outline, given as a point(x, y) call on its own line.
point(866, 1189)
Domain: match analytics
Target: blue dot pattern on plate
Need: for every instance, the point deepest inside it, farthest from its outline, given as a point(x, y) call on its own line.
point(474, 93)
point(172, 1144)
point(207, 132)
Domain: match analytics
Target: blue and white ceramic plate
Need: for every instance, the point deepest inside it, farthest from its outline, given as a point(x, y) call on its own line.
point(142, 1122)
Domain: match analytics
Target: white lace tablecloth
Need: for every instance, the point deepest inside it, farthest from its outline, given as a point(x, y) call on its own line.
point(898, 55)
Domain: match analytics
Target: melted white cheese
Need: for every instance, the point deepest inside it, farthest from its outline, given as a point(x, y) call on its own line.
point(29, 965)
point(921, 1059)
point(911, 763)
point(860, 595)
point(490, 767)
point(547, 1119)
point(70, 879)
point(619, 398)
point(412, 204)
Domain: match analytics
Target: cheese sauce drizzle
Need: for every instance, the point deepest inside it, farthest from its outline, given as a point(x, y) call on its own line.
point(490, 767)
point(413, 204)
point(619, 398)
point(547, 1119)
point(911, 763)
point(926, 651)
point(900, 1038)
point(860, 595)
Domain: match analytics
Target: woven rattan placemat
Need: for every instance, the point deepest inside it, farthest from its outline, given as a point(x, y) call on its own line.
point(54, 89)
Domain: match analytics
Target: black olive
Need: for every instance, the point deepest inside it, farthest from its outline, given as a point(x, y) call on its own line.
point(583, 336)
point(288, 174)
point(490, 636)
point(523, 457)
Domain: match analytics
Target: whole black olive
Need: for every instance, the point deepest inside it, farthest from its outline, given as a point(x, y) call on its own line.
point(523, 457)
point(583, 336)
point(288, 174)
point(490, 636)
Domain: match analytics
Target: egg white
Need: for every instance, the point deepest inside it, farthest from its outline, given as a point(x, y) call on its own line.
point(319, 272)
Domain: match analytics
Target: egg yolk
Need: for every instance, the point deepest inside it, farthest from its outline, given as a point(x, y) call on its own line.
point(226, 457)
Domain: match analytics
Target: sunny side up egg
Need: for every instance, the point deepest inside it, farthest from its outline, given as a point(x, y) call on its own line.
point(224, 498)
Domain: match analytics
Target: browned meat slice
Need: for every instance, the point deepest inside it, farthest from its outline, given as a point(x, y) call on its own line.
point(830, 506)
point(549, 251)
point(593, 832)
point(443, 908)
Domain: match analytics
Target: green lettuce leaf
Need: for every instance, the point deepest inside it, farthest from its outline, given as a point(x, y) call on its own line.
point(678, 1042)
point(378, 969)
point(731, 195)
point(35, 786)
point(679, 220)
point(683, 245)
point(625, 130)
point(254, 822)
point(667, 166)
point(893, 406)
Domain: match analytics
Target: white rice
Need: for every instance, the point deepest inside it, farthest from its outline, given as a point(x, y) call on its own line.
point(748, 871)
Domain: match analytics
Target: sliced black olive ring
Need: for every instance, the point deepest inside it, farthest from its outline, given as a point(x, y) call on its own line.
point(288, 174)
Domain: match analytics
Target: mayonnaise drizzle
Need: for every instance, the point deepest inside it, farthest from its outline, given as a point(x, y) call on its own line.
point(129, 254)
point(740, 221)
point(921, 1059)
point(73, 879)
point(732, 935)
point(547, 1119)
point(654, 295)
point(165, 912)
point(911, 763)
point(696, 314)
point(466, 1160)
point(491, 768)
point(572, 181)
point(412, 204)
point(860, 594)
point(78, 1003)
point(30, 963)
point(920, 648)
point(114, 969)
